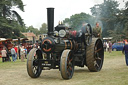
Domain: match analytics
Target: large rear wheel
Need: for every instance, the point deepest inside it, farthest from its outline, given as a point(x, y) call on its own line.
point(33, 66)
point(95, 55)
point(67, 64)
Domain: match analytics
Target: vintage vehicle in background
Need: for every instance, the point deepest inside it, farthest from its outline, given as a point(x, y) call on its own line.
point(117, 46)
point(7, 44)
point(1, 45)
point(23, 42)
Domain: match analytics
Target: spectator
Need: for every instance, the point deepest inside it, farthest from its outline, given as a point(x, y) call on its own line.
point(16, 49)
point(125, 51)
point(110, 47)
point(34, 45)
point(105, 46)
point(4, 52)
point(13, 53)
point(25, 52)
point(22, 53)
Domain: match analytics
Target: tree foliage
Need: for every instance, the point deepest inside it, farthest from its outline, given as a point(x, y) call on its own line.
point(10, 20)
point(43, 28)
point(105, 13)
point(122, 21)
point(32, 29)
point(114, 21)
point(75, 21)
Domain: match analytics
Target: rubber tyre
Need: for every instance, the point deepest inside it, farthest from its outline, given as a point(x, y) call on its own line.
point(67, 65)
point(95, 57)
point(34, 71)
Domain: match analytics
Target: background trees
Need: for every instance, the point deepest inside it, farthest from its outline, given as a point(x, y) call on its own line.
point(105, 13)
point(32, 29)
point(75, 21)
point(10, 21)
point(43, 28)
point(114, 21)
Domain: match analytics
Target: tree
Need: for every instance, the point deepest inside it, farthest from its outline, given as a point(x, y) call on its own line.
point(7, 12)
point(122, 21)
point(105, 13)
point(43, 28)
point(9, 18)
point(75, 21)
point(126, 5)
point(32, 29)
point(116, 34)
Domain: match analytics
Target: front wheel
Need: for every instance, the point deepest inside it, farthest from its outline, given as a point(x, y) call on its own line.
point(67, 64)
point(33, 67)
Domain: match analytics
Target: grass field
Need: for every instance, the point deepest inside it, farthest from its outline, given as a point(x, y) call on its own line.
point(114, 72)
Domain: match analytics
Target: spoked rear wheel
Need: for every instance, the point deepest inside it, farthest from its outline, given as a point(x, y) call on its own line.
point(95, 55)
point(33, 66)
point(67, 64)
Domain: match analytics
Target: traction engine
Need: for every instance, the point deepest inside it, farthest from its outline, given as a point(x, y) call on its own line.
point(64, 49)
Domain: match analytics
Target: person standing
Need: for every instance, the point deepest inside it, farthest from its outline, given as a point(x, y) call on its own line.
point(104, 46)
point(13, 53)
point(4, 52)
point(22, 53)
point(16, 50)
point(97, 30)
point(25, 52)
point(107, 47)
point(125, 51)
point(110, 47)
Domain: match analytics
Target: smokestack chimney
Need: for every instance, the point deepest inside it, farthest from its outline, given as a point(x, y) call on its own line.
point(50, 20)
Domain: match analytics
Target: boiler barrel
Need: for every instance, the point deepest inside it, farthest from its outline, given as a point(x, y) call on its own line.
point(49, 45)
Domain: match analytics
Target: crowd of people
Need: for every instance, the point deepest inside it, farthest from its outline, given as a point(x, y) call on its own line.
point(107, 46)
point(14, 53)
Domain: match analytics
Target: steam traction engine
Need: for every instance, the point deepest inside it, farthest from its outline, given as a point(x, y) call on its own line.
point(63, 49)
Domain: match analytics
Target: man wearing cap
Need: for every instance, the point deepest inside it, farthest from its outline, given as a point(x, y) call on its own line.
point(97, 31)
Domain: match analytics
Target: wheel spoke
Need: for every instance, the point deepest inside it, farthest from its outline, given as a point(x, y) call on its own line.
point(98, 50)
point(70, 60)
point(35, 64)
point(70, 68)
point(96, 64)
point(98, 58)
point(68, 73)
point(34, 69)
point(97, 44)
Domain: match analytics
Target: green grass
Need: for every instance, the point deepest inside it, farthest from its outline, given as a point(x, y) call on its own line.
point(10, 64)
point(114, 72)
point(113, 54)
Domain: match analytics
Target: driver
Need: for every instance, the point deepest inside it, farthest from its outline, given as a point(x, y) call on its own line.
point(97, 30)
